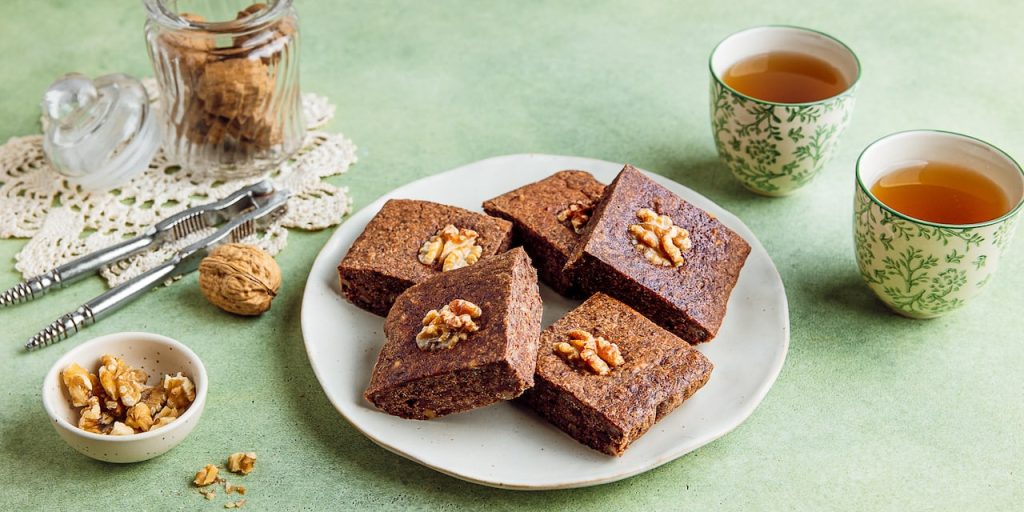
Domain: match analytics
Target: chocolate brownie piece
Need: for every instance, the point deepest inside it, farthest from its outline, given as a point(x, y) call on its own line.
point(547, 217)
point(658, 371)
point(686, 296)
point(384, 260)
point(494, 362)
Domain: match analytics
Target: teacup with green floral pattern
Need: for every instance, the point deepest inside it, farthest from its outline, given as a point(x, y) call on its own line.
point(775, 148)
point(925, 269)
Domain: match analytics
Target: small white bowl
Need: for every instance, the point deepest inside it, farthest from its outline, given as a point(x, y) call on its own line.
point(157, 355)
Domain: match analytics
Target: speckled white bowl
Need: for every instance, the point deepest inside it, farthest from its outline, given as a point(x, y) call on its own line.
point(157, 355)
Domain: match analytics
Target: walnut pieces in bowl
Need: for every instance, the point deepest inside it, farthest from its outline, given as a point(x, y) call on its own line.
point(119, 402)
point(115, 413)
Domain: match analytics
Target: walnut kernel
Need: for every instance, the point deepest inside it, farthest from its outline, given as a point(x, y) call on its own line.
point(180, 391)
point(79, 385)
point(206, 476)
point(118, 401)
point(242, 463)
point(154, 398)
point(111, 368)
point(114, 408)
point(658, 239)
point(577, 213)
point(107, 421)
point(453, 247)
point(161, 422)
point(443, 328)
point(130, 385)
point(596, 354)
point(240, 279)
point(230, 488)
point(120, 429)
point(89, 418)
point(139, 417)
point(167, 413)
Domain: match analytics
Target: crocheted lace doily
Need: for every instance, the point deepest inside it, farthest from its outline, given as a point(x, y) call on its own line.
point(64, 222)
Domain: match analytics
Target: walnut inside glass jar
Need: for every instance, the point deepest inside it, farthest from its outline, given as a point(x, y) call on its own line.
point(229, 83)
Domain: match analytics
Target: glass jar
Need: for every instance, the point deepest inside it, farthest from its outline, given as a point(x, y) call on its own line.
point(229, 83)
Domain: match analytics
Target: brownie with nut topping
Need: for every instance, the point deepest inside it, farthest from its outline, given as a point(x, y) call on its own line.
point(657, 373)
point(688, 297)
point(384, 260)
point(547, 218)
point(494, 361)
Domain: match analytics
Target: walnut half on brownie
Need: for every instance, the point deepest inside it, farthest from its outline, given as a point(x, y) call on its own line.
point(668, 259)
point(409, 241)
point(460, 340)
point(606, 374)
point(547, 218)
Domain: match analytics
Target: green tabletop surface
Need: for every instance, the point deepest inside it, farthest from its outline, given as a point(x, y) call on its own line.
point(872, 411)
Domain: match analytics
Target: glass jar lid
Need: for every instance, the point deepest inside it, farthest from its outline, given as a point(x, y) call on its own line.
point(99, 133)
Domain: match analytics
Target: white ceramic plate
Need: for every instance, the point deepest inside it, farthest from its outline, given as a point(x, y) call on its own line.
point(506, 445)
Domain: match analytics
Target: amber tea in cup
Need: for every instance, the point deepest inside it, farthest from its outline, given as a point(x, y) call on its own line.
point(780, 99)
point(942, 192)
point(933, 212)
point(786, 77)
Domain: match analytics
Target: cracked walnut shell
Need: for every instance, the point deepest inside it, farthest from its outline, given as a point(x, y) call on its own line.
point(443, 328)
point(240, 279)
point(658, 239)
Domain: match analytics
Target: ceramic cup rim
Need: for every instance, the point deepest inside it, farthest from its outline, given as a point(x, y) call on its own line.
point(961, 139)
point(200, 380)
point(795, 28)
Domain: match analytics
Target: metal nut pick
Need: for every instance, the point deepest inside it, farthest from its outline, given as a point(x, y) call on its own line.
point(62, 328)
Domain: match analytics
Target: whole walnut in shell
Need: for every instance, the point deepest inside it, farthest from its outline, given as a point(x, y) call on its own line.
point(240, 279)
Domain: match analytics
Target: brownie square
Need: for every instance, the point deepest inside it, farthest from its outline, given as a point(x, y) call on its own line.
point(534, 212)
point(494, 363)
point(689, 300)
point(608, 412)
point(384, 259)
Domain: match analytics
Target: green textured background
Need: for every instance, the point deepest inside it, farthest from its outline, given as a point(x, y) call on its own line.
point(871, 411)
